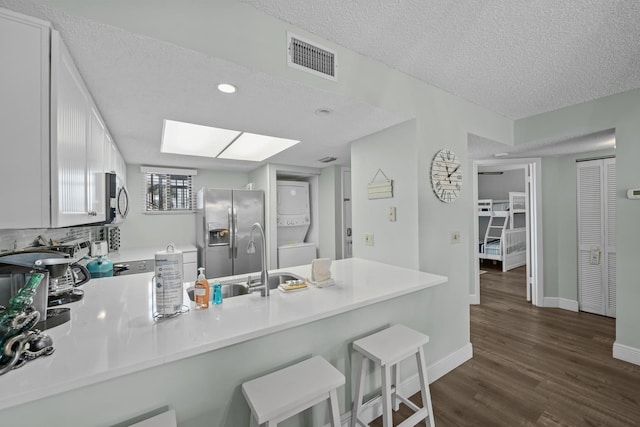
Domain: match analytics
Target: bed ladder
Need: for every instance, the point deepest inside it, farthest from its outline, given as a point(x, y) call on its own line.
point(495, 230)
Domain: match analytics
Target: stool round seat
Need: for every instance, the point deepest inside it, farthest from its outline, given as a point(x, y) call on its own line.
point(386, 349)
point(279, 395)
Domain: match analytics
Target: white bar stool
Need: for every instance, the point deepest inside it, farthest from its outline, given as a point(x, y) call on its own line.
point(387, 348)
point(284, 393)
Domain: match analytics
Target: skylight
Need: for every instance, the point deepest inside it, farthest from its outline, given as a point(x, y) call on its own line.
point(254, 147)
point(197, 140)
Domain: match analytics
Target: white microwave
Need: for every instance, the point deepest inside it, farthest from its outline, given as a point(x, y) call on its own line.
point(117, 199)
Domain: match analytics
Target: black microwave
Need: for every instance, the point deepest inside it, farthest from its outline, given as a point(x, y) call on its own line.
point(117, 199)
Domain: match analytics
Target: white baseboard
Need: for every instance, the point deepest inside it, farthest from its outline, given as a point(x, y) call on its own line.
point(626, 353)
point(373, 408)
point(474, 299)
point(565, 304)
point(447, 364)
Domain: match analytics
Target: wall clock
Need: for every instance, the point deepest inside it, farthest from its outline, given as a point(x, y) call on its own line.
point(446, 175)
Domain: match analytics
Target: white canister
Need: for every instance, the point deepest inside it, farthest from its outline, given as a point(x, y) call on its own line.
point(168, 292)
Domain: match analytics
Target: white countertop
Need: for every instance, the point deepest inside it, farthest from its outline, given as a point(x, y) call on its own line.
point(140, 254)
point(112, 332)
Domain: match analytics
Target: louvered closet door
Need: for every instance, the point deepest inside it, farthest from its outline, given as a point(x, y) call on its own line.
point(596, 236)
point(610, 236)
point(590, 237)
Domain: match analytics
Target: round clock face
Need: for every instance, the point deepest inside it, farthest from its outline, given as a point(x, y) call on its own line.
point(446, 175)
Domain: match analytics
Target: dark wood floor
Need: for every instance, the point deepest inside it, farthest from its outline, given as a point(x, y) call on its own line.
point(534, 367)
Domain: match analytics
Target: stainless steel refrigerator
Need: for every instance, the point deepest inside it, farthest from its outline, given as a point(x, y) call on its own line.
point(223, 226)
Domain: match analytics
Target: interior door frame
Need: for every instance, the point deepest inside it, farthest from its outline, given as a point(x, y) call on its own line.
point(347, 248)
point(535, 269)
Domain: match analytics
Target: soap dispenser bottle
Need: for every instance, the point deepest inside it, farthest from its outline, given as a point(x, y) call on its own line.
point(202, 291)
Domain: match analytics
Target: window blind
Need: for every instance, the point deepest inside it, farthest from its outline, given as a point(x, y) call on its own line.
point(168, 190)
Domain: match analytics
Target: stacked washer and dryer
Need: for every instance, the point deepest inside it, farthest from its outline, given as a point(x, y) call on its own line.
point(293, 221)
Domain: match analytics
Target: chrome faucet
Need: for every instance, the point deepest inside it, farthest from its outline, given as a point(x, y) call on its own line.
point(251, 249)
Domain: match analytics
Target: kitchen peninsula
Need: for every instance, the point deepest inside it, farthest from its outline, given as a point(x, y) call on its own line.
point(113, 362)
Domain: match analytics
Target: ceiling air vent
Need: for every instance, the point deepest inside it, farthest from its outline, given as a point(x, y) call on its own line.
point(312, 58)
point(328, 159)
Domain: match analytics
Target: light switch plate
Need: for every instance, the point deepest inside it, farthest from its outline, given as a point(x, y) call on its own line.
point(368, 239)
point(392, 213)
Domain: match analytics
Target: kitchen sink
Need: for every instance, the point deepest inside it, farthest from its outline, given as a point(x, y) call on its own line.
point(276, 279)
point(239, 287)
point(228, 290)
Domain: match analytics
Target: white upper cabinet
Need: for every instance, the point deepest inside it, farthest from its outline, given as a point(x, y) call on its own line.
point(110, 153)
point(77, 144)
point(56, 145)
point(114, 162)
point(121, 168)
point(95, 166)
point(24, 121)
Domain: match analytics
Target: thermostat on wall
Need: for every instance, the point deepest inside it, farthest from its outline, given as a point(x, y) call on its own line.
point(633, 193)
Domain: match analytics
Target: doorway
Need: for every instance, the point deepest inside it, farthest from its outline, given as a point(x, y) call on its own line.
point(533, 229)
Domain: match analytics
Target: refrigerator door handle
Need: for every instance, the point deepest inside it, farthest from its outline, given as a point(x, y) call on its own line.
point(235, 232)
point(206, 232)
point(233, 235)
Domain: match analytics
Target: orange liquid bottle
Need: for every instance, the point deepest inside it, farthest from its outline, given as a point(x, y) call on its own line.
point(202, 291)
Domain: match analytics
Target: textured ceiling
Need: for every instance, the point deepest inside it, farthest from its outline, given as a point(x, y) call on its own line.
point(515, 57)
point(138, 81)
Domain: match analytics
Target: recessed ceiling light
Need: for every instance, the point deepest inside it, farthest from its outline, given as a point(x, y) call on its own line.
point(256, 148)
point(323, 111)
point(194, 140)
point(226, 88)
point(501, 155)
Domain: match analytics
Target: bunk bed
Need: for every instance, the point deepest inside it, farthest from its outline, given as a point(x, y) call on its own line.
point(502, 241)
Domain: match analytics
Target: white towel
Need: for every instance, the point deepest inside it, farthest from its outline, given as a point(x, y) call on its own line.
point(321, 269)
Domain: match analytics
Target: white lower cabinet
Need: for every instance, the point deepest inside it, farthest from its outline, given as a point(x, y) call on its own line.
point(189, 266)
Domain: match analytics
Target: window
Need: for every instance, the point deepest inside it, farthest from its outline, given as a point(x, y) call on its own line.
point(168, 190)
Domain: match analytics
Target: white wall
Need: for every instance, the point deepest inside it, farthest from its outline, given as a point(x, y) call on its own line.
point(145, 230)
point(497, 187)
point(394, 151)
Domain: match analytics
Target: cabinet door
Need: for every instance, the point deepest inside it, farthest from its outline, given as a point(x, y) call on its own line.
point(95, 167)
point(69, 140)
point(109, 147)
point(24, 121)
point(121, 167)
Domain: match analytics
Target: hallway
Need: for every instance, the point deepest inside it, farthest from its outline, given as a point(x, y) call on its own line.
point(535, 366)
